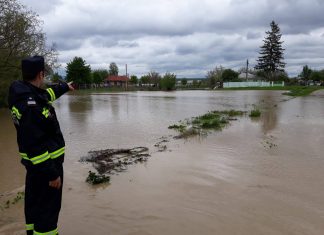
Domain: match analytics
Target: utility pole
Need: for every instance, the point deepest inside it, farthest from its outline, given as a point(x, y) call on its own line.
point(247, 69)
point(126, 78)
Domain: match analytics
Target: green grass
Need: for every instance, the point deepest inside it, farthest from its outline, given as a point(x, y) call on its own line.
point(302, 90)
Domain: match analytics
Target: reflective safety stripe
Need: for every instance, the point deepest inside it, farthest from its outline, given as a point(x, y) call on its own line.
point(57, 153)
point(53, 232)
point(43, 157)
point(24, 156)
point(38, 159)
point(15, 112)
point(52, 94)
point(29, 227)
point(45, 112)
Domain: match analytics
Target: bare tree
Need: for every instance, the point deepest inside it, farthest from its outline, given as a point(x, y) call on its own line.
point(154, 78)
point(214, 75)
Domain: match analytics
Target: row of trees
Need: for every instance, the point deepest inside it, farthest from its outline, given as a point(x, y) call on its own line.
point(154, 79)
point(80, 72)
point(220, 74)
point(308, 74)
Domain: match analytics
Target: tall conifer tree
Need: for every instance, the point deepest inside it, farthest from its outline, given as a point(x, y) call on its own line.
point(271, 59)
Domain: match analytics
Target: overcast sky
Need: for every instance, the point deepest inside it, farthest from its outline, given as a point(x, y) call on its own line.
point(185, 37)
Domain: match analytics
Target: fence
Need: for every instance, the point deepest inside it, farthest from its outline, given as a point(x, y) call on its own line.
point(252, 84)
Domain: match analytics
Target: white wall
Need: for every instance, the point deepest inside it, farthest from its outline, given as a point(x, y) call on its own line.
point(252, 84)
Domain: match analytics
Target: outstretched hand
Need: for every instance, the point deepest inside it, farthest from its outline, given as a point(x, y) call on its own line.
point(56, 183)
point(71, 88)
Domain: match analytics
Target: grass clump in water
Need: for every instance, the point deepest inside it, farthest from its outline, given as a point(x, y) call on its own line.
point(255, 113)
point(232, 112)
point(94, 178)
point(211, 120)
point(215, 120)
point(179, 127)
point(188, 132)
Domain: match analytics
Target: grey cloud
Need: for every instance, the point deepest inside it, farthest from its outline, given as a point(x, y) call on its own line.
point(186, 36)
point(102, 41)
point(294, 16)
point(253, 35)
point(67, 44)
point(186, 49)
point(41, 6)
point(291, 18)
point(127, 44)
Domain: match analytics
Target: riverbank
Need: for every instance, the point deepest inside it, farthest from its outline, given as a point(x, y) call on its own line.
point(291, 90)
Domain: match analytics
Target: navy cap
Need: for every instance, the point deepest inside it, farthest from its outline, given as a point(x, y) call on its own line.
point(30, 66)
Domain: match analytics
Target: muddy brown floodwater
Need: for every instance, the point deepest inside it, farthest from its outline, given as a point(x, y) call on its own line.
point(260, 176)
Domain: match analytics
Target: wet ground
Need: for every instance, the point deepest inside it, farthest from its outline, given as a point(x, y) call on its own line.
point(257, 176)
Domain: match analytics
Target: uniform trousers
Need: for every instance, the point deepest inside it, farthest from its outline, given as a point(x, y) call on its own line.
point(42, 203)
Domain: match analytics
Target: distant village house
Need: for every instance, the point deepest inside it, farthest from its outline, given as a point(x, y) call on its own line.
point(116, 81)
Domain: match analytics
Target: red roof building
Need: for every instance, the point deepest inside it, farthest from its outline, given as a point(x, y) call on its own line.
point(113, 80)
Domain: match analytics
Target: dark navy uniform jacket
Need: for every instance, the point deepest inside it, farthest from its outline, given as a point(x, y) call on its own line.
point(40, 140)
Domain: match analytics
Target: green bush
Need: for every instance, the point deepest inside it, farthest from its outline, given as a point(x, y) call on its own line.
point(168, 82)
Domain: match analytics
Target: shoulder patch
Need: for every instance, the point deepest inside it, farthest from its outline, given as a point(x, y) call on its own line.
point(31, 101)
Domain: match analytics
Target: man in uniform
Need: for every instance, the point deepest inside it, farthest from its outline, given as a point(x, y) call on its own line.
point(41, 145)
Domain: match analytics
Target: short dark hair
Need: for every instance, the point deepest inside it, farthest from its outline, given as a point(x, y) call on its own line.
point(31, 66)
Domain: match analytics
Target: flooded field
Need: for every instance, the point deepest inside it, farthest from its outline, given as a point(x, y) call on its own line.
point(257, 176)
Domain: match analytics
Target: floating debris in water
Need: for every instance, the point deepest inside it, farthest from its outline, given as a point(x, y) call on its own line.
point(111, 161)
point(268, 142)
point(161, 146)
point(18, 197)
